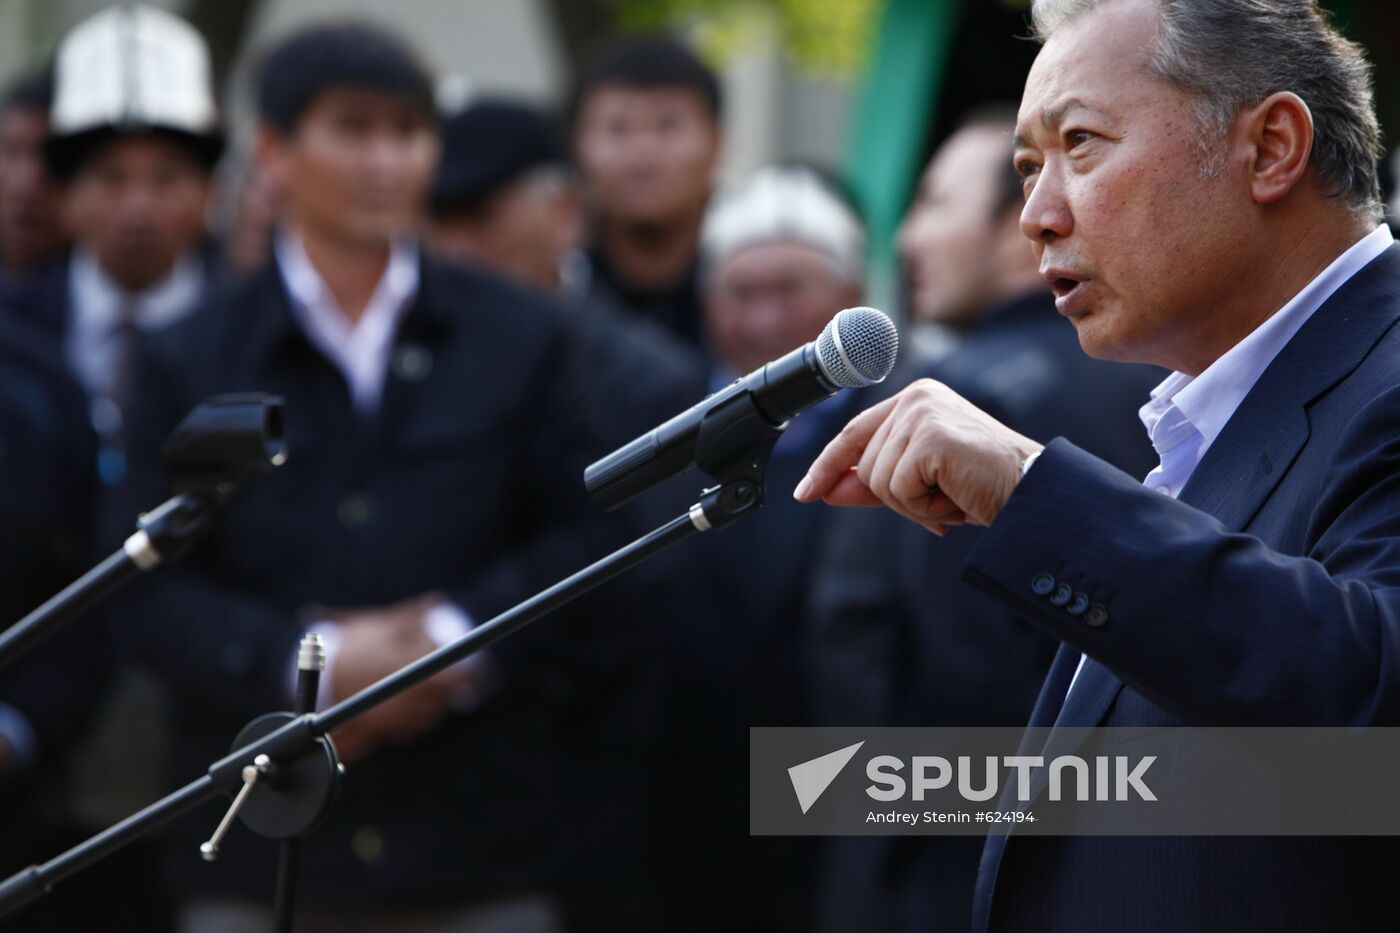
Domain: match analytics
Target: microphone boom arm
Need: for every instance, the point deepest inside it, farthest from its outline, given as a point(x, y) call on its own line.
point(281, 809)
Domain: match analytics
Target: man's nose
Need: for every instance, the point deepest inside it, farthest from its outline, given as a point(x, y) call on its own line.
point(1046, 215)
point(139, 201)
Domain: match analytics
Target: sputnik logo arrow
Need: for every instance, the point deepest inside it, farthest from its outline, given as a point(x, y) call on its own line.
point(811, 778)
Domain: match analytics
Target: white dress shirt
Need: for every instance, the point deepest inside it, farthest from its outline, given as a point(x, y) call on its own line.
point(361, 351)
point(1186, 414)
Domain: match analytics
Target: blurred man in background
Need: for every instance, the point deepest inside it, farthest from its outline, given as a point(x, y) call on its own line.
point(48, 494)
point(897, 638)
point(782, 254)
point(134, 135)
point(432, 483)
point(507, 198)
point(31, 230)
point(505, 195)
point(133, 138)
point(646, 135)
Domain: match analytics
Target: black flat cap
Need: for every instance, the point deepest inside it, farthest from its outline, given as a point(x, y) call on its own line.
point(489, 144)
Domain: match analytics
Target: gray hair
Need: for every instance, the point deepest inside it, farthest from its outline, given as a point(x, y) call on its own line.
point(1232, 54)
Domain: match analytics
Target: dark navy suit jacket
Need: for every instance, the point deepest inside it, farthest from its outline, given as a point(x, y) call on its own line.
point(466, 481)
point(1268, 594)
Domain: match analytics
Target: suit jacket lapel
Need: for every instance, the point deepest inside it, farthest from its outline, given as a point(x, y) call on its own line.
point(1052, 693)
point(1270, 427)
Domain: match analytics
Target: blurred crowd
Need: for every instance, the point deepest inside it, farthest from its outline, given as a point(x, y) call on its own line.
point(461, 311)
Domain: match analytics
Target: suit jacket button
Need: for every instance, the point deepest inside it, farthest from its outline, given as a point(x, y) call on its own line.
point(1078, 605)
point(367, 844)
point(1062, 596)
point(412, 362)
point(356, 510)
point(1096, 616)
point(1043, 584)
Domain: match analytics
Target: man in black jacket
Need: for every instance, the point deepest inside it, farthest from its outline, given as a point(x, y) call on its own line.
point(432, 481)
point(647, 136)
point(47, 498)
point(505, 197)
point(782, 254)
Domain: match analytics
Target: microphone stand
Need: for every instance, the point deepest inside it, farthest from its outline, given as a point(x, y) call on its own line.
point(164, 534)
point(311, 661)
point(283, 769)
point(216, 448)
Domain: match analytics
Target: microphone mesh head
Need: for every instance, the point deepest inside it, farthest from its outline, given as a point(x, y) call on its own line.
point(858, 347)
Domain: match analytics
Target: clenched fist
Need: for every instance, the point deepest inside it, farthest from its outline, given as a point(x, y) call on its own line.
point(927, 453)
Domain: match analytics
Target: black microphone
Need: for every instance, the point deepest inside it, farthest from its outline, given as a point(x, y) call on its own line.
point(857, 348)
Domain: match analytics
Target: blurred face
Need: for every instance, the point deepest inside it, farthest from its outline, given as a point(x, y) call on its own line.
point(648, 155)
point(523, 232)
point(138, 204)
point(31, 231)
point(1138, 245)
point(949, 240)
point(764, 300)
point(357, 167)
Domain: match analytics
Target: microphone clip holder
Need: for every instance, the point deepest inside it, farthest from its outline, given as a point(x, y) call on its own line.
point(734, 446)
point(220, 445)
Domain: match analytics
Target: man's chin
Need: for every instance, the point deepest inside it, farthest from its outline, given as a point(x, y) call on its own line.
point(377, 230)
point(1099, 340)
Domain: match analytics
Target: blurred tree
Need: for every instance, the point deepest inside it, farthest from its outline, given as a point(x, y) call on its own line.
point(826, 37)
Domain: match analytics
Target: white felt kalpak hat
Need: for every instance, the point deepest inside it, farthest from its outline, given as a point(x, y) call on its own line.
point(132, 69)
point(783, 202)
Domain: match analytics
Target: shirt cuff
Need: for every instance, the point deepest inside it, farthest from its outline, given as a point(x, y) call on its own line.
point(444, 624)
point(18, 734)
point(1030, 462)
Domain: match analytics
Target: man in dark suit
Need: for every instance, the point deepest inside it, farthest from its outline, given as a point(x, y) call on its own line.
point(433, 481)
point(48, 493)
point(894, 636)
point(133, 139)
point(782, 254)
point(47, 499)
point(506, 198)
point(1201, 193)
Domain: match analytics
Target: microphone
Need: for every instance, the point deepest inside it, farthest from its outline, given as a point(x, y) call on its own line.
point(857, 348)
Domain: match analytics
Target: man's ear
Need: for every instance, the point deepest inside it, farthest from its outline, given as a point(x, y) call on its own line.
point(570, 216)
point(1279, 132)
point(270, 154)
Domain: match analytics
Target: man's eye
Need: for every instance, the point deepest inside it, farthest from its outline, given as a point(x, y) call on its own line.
point(1026, 169)
point(1077, 137)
